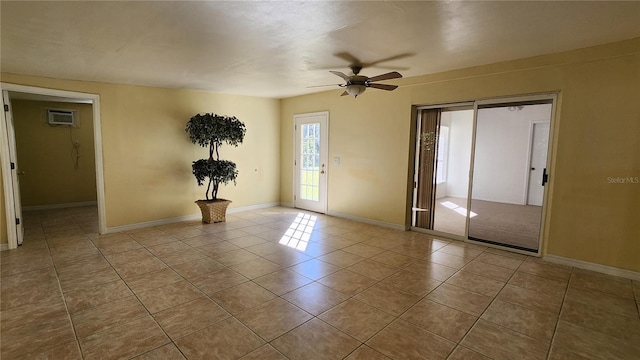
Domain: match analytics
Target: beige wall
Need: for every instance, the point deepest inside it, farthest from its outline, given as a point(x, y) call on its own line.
point(597, 136)
point(147, 155)
point(46, 158)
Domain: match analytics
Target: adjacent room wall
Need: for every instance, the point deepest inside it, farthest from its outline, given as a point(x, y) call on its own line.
point(502, 153)
point(597, 128)
point(46, 157)
point(147, 154)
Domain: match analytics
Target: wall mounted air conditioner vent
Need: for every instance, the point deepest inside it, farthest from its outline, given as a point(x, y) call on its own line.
point(61, 117)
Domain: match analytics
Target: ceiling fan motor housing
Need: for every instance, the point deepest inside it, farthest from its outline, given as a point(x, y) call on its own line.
point(358, 80)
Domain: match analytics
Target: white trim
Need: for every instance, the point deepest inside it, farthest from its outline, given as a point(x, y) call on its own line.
point(60, 206)
point(151, 223)
point(356, 218)
point(4, 247)
point(7, 182)
point(252, 207)
point(97, 139)
point(446, 105)
point(609, 270)
point(146, 224)
point(368, 221)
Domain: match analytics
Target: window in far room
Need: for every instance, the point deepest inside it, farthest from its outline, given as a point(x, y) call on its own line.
point(443, 146)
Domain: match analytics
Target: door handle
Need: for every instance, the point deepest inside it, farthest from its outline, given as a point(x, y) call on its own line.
point(322, 171)
point(545, 176)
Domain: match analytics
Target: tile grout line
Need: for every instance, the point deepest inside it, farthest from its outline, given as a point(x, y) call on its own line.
point(64, 300)
point(289, 268)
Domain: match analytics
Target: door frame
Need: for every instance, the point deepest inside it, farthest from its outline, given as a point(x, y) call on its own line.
point(6, 166)
point(413, 176)
point(324, 153)
point(13, 205)
point(553, 97)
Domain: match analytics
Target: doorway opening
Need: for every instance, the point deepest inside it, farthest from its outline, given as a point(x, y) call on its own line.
point(49, 165)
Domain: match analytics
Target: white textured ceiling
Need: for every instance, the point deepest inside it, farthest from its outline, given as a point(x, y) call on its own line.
point(277, 49)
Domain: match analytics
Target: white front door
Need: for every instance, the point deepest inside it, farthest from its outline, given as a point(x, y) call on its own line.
point(11, 181)
point(310, 164)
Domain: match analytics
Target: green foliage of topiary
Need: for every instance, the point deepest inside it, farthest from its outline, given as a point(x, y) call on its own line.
point(211, 130)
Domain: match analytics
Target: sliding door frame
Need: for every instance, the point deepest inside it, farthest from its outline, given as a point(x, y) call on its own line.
point(548, 96)
point(515, 100)
point(415, 148)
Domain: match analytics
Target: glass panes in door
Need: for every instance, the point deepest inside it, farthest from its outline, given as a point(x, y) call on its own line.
point(310, 170)
point(310, 161)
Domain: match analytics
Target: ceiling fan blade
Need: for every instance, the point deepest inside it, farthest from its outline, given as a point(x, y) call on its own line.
point(387, 76)
point(383, 86)
point(315, 86)
point(348, 57)
point(342, 75)
point(344, 93)
point(395, 57)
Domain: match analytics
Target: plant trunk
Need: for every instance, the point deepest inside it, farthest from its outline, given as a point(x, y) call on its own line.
point(215, 190)
point(206, 194)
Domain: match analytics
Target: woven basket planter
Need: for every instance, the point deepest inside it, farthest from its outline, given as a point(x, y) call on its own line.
point(213, 211)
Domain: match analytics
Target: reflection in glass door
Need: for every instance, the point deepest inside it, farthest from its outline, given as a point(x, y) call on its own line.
point(509, 172)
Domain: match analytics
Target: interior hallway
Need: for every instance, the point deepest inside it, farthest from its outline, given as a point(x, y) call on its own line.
point(280, 283)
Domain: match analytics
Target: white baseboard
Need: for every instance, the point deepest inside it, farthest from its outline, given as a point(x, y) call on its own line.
point(609, 270)
point(252, 207)
point(146, 224)
point(59, 206)
point(356, 218)
point(368, 221)
point(4, 247)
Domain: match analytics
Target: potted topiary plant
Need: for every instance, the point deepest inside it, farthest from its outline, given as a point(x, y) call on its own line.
point(211, 130)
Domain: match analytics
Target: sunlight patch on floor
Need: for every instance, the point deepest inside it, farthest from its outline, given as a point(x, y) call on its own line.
point(459, 209)
point(298, 234)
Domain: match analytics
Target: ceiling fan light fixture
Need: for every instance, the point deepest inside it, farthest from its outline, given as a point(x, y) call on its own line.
point(355, 90)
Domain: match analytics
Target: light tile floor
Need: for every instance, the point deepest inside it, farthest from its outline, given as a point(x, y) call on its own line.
point(279, 283)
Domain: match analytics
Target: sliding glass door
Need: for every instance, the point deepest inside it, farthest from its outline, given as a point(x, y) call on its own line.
point(509, 173)
point(443, 154)
point(481, 170)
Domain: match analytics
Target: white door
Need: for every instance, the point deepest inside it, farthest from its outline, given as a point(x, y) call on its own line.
point(539, 146)
point(310, 164)
point(12, 184)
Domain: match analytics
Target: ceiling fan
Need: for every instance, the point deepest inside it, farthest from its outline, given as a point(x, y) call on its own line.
point(357, 84)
